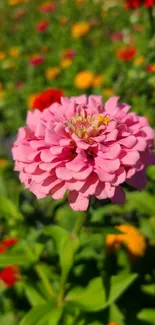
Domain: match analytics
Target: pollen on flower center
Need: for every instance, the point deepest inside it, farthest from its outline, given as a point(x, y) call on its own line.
point(86, 126)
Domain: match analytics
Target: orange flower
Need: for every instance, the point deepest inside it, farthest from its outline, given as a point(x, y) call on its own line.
point(133, 240)
point(65, 63)
point(139, 60)
point(80, 29)
point(2, 55)
point(98, 81)
point(52, 73)
point(3, 162)
point(14, 51)
point(84, 79)
point(63, 20)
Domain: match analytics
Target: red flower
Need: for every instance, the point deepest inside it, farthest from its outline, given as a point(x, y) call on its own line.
point(46, 98)
point(42, 25)
point(138, 3)
point(126, 53)
point(69, 54)
point(47, 7)
point(8, 242)
point(36, 60)
point(2, 250)
point(10, 275)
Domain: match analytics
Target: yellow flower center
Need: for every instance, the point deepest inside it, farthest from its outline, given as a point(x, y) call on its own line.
point(86, 126)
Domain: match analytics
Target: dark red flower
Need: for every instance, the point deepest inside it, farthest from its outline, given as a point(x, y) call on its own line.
point(126, 53)
point(46, 98)
point(69, 54)
point(138, 3)
point(10, 275)
point(42, 25)
point(9, 242)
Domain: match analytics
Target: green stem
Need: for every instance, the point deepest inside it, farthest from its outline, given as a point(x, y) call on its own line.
point(44, 279)
point(76, 230)
point(62, 290)
point(152, 22)
point(79, 223)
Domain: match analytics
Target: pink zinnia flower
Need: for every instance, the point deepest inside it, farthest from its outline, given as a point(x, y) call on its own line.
point(118, 36)
point(36, 60)
point(42, 25)
point(85, 147)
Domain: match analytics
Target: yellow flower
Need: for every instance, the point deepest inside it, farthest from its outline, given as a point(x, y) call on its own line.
point(3, 162)
point(107, 92)
point(65, 63)
point(2, 55)
point(2, 94)
point(84, 79)
point(14, 51)
point(52, 73)
point(98, 81)
point(80, 29)
point(138, 61)
point(133, 240)
point(16, 2)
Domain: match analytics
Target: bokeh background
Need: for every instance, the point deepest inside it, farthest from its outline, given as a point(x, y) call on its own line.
point(78, 46)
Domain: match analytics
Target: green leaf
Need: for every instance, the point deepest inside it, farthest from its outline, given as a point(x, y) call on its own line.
point(12, 259)
point(58, 234)
point(8, 319)
point(33, 296)
point(116, 315)
point(149, 289)
point(7, 207)
point(93, 297)
point(147, 315)
point(67, 252)
point(119, 284)
point(55, 316)
point(36, 314)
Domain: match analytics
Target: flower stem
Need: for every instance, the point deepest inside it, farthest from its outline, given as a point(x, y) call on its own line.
point(76, 230)
point(44, 279)
point(79, 223)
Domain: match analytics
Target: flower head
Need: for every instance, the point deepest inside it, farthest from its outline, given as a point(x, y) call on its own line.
point(84, 79)
point(36, 59)
point(150, 67)
point(126, 53)
point(133, 240)
point(52, 73)
point(86, 147)
point(47, 7)
point(42, 25)
point(80, 29)
point(9, 242)
point(45, 99)
point(133, 4)
point(10, 275)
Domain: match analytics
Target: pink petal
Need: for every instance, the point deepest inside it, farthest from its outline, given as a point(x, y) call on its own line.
point(83, 174)
point(131, 158)
point(90, 185)
point(111, 105)
point(58, 191)
point(111, 136)
point(128, 142)
point(77, 201)
point(63, 173)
